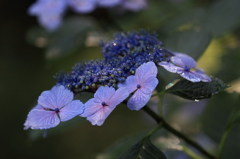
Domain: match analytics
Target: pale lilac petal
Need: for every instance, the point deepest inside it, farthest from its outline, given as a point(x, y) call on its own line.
point(47, 99)
point(120, 95)
point(100, 116)
point(146, 70)
point(203, 76)
point(108, 3)
point(170, 67)
point(62, 94)
point(71, 110)
point(57, 97)
point(138, 100)
point(130, 84)
point(91, 107)
point(39, 118)
point(83, 6)
point(134, 5)
point(183, 60)
point(149, 85)
point(50, 21)
point(47, 7)
point(103, 94)
point(191, 76)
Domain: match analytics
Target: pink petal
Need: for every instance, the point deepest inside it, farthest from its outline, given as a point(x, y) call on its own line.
point(146, 70)
point(39, 118)
point(100, 116)
point(103, 94)
point(138, 100)
point(91, 107)
point(120, 95)
point(149, 85)
point(71, 110)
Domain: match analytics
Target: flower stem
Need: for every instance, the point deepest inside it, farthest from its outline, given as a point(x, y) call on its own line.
point(223, 139)
point(165, 125)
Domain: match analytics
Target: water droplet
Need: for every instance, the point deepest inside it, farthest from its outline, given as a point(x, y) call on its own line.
point(196, 100)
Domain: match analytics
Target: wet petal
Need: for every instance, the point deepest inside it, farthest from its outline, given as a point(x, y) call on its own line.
point(183, 60)
point(71, 110)
point(170, 67)
point(191, 76)
point(138, 100)
point(39, 118)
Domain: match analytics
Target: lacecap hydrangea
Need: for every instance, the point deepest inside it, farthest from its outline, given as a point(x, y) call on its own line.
point(50, 12)
point(128, 68)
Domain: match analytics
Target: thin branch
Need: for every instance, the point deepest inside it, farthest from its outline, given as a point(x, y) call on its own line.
point(165, 125)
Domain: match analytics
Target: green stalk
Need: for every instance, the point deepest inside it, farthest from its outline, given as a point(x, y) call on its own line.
point(223, 139)
point(160, 120)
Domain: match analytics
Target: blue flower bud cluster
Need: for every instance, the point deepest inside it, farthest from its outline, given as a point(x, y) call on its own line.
point(50, 12)
point(124, 44)
point(122, 56)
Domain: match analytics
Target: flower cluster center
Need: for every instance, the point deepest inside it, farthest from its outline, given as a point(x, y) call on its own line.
point(186, 68)
point(104, 104)
point(138, 86)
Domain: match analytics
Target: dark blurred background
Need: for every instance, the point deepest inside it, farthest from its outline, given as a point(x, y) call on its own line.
point(27, 68)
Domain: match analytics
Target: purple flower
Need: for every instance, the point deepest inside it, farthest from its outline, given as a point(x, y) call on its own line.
point(53, 106)
point(49, 12)
point(143, 83)
point(183, 65)
point(83, 6)
point(134, 5)
point(105, 100)
point(108, 3)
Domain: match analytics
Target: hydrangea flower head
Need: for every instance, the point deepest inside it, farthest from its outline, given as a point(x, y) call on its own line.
point(104, 102)
point(134, 5)
point(125, 43)
point(49, 12)
point(83, 6)
point(143, 83)
point(108, 3)
point(131, 51)
point(183, 65)
point(53, 106)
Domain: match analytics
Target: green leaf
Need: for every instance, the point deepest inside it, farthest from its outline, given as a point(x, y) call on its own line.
point(192, 42)
point(199, 90)
point(143, 149)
